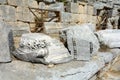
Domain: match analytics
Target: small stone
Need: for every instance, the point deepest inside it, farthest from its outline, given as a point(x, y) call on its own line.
point(50, 65)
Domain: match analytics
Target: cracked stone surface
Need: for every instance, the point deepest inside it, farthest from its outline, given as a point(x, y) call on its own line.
point(74, 70)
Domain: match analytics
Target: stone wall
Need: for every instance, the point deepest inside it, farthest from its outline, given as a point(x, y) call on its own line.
point(18, 14)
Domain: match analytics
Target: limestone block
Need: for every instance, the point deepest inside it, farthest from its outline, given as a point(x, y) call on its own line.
point(58, 6)
point(3, 1)
point(82, 18)
point(20, 28)
point(116, 1)
point(75, 18)
point(52, 27)
point(81, 44)
point(92, 19)
point(35, 47)
point(74, 70)
point(7, 13)
point(76, 8)
point(32, 4)
point(90, 10)
point(66, 17)
point(109, 37)
point(15, 2)
point(6, 42)
point(24, 14)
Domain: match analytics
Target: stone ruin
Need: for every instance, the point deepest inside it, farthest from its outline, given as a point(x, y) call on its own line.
point(62, 33)
point(40, 48)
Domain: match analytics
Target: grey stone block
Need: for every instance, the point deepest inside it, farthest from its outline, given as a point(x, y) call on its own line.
point(24, 14)
point(3, 1)
point(6, 42)
point(76, 8)
point(15, 2)
point(81, 44)
point(66, 17)
point(7, 13)
point(52, 27)
point(20, 28)
point(58, 6)
point(109, 37)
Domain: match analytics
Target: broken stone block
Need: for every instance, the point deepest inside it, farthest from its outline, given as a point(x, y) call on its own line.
point(109, 37)
point(20, 28)
point(3, 1)
point(80, 44)
point(52, 27)
point(7, 13)
point(24, 14)
point(35, 47)
point(6, 42)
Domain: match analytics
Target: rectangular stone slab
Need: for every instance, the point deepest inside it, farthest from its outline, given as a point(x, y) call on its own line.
point(5, 42)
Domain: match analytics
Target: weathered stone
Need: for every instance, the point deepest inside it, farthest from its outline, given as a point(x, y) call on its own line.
point(79, 42)
point(66, 17)
point(74, 70)
point(76, 8)
point(32, 4)
point(32, 27)
point(20, 28)
point(41, 48)
point(7, 13)
point(58, 6)
point(93, 78)
point(110, 38)
point(15, 2)
point(49, 1)
point(24, 14)
point(52, 27)
point(6, 42)
point(3, 1)
point(82, 18)
point(116, 2)
point(90, 10)
point(23, 3)
point(107, 56)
